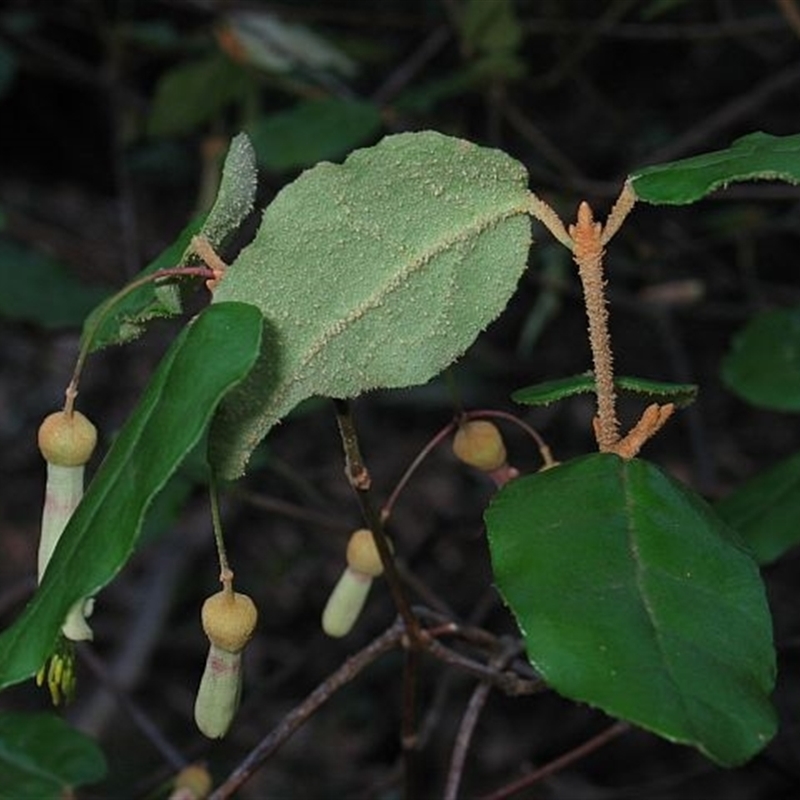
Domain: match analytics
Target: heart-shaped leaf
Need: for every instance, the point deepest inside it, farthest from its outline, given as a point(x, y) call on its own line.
point(375, 273)
point(635, 597)
point(210, 356)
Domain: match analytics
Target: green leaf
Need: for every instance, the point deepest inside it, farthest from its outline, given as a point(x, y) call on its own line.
point(633, 596)
point(210, 356)
point(375, 273)
point(312, 131)
point(236, 193)
point(38, 289)
point(765, 510)
point(542, 394)
point(490, 26)
point(129, 316)
point(194, 93)
point(42, 757)
point(763, 364)
point(757, 156)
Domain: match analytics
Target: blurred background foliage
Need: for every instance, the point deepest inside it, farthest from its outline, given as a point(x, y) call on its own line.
point(114, 119)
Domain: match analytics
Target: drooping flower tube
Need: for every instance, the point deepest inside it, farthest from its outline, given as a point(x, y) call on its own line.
point(66, 441)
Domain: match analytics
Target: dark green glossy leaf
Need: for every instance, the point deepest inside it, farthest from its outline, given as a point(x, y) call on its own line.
point(757, 156)
point(635, 597)
point(763, 364)
point(210, 356)
point(41, 757)
point(542, 394)
point(38, 289)
point(312, 131)
point(765, 510)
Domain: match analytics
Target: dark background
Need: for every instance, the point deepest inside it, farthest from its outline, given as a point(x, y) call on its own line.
point(592, 91)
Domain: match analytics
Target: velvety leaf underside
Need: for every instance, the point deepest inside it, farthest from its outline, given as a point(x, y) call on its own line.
point(376, 273)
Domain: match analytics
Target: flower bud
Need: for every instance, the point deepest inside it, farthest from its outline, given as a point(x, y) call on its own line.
point(479, 444)
point(229, 619)
point(192, 783)
point(362, 554)
point(67, 439)
point(219, 692)
point(345, 603)
point(350, 593)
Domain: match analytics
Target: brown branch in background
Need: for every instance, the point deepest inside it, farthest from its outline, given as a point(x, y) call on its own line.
point(508, 682)
point(494, 674)
point(410, 68)
point(739, 108)
point(408, 723)
point(562, 762)
point(470, 720)
point(390, 639)
point(140, 719)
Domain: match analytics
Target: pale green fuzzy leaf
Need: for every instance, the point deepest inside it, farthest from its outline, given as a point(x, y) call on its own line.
point(237, 191)
point(376, 273)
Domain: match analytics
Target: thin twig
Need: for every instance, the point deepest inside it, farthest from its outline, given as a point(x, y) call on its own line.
point(410, 68)
point(563, 761)
point(140, 719)
point(359, 478)
point(298, 716)
point(508, 682)
point(739, 108)
point(408, 734)
point(470, 720)
point(439, 437)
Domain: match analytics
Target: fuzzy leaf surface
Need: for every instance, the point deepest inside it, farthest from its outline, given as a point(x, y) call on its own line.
point(763, 364)
point(376, 273)
point(209, 357)
point(633, 596)
point(44, 758)
point(757, 156)
point(765, 510)
point(236, 193)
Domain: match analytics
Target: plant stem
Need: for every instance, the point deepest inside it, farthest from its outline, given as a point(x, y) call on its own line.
point(588, 254)
point(104, 310)
point(300, 714)
point(225, 572)
point(563, 761)
point(359, 478)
